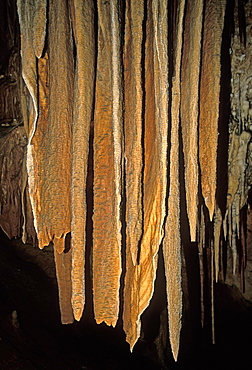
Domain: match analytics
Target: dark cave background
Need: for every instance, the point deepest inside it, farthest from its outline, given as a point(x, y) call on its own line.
point(31, 334)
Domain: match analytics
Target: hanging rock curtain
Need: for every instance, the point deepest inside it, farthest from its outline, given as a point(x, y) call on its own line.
point(146, 76)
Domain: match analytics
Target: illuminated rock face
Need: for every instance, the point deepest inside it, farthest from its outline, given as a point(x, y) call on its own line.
point(146, 75)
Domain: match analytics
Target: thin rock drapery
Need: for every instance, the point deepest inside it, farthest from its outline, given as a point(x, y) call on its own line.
point(49, 127)
point(39, 26)
point(209, 99)
point(107, 166)
point(140, 278)
point(133, 125)
point(83, 19)
point(29, 70)
point(133, 131)
point(58, 174)
point(51, 215)
point(141, 72)
point(172, 241)
point(29, 102)
point(189, 106)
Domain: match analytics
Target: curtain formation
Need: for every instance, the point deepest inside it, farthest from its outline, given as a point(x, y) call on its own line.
point(145, 74)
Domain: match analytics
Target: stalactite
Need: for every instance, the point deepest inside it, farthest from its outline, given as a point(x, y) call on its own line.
point(232, 236)
point(29, 70)
point(217, 239)
point(201, 247)
point(161, 90)
point(209, 98)
point(56, 197)
point(107, 166)
point(139, 279)
point(133, 125)
point(83, 62)
point(32, 18)
point(243, 252)
point(212, 291)
point(236, 193)
point(63, 263)
point(28, 229)
point(36, 162)
point(241, 77)
point(133, 122)
point(51, 215)
point(39, 26)
point(57, 180)
point(83, 25)
point(172, 242)
point(189, 106)
point(239, 152)
point(29, 100)
point(49, 177)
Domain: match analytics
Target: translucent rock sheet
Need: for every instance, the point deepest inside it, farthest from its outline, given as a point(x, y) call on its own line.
point(172, 241)
point(107, 166)
point(83, 27)
point(140, 278)
point(190, 72)
point(133, 123)
point(210, 98)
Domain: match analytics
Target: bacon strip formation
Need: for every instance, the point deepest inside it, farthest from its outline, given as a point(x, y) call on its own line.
point(189, 106)
point(83, 21)
point(210, 98)
point(172, 240)
point(133, 123)
point(141, 272)
point(107, 166)
point(146, 76)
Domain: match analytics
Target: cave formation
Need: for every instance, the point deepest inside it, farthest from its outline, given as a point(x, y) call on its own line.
point(125, 162)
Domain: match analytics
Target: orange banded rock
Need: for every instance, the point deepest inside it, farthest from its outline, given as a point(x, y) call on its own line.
point(189, 106)
point(209, 98)
point(172, 240)
point(83, 26)
point(107, 166)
